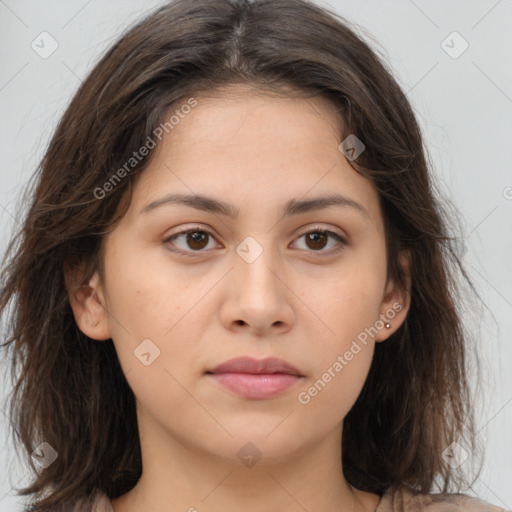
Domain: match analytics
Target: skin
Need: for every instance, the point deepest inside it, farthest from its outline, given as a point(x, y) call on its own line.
point(297, 301)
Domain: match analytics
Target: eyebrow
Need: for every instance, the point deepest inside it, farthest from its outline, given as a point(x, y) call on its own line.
point(292, 207)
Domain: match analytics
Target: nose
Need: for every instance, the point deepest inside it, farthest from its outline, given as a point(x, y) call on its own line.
point(258, 296)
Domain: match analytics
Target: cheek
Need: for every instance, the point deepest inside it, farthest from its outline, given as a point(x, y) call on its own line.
point(146, 294)
point(150, 299)
point(330, 395)
point(348, 308)
point(349, 303)
point(343, 352)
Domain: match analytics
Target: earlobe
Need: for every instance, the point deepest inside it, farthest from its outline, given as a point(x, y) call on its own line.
point(88, 305)
point(391, 320)
point(396, 303)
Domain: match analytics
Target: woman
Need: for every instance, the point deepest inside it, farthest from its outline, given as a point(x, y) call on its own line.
point(233, 288)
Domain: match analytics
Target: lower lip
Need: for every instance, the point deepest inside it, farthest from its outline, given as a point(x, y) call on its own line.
point(251, 385)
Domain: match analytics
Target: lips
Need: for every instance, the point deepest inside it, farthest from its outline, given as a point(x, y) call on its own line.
point(256, 366)
point(255, 379)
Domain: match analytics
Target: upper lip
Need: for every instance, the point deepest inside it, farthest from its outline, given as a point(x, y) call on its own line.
point(256, 366)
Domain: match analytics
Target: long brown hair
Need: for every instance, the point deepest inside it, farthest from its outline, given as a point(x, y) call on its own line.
point(70, 391)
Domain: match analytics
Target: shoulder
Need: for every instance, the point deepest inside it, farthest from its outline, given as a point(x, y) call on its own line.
point(98, 501)
point(404, 499)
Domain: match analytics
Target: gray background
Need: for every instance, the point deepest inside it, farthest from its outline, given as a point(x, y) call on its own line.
point(463, 103)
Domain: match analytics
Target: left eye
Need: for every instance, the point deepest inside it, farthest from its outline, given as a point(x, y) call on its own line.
point(198, 239)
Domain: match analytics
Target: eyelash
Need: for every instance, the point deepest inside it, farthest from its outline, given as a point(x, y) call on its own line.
point(194, 254)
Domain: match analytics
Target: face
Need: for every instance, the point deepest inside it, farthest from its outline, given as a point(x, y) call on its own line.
point(188, 288)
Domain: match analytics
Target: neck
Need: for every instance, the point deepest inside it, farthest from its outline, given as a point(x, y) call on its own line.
point(177, 476)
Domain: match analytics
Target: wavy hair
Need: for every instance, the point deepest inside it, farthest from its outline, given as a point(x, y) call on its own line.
point(70, 391)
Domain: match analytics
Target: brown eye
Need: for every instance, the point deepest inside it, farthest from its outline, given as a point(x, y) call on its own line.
point(196, 239)
point(318, 239)
point(192, 241)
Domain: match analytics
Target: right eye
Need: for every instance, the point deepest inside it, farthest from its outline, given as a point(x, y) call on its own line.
point(196, 239)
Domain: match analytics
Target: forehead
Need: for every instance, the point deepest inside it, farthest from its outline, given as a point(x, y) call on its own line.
point(235, 116)
point(254, 148)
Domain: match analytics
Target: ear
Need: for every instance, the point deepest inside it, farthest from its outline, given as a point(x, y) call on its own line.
point(396, 302)
point(88, 304)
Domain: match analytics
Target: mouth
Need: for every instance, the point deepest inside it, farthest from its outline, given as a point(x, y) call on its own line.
point(256, 379)
point(269, 365)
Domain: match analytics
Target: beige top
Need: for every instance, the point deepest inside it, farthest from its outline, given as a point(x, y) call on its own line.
point(394, 500)
point(402, 499)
